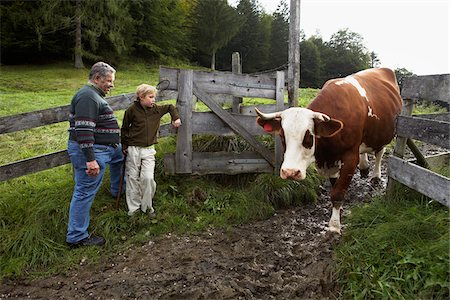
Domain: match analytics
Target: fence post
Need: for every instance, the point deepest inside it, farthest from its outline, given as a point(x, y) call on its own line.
point(279, 96)
point(236, 69)
point(183, 154)
point(400, 142)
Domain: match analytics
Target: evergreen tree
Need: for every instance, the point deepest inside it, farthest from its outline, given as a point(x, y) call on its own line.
point(310, 64)
point(163, 29)
point(215, 24)
point(249, 41)
point(279, 37)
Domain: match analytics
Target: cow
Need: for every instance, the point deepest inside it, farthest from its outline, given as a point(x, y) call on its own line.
point(349, 118)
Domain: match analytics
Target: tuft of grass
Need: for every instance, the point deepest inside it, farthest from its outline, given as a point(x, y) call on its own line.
point(285, 193)
point(396, 248)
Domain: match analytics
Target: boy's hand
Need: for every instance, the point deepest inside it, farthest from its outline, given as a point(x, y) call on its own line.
point(176, 123)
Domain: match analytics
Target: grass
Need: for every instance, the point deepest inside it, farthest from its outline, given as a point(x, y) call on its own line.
point(396, 248)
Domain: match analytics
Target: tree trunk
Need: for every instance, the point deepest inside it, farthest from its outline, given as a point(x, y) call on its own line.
point(78, 45)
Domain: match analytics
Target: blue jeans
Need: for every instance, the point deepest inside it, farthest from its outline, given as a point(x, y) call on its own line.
point(86, 187)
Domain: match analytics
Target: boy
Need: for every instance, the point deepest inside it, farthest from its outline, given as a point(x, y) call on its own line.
point(139, 135)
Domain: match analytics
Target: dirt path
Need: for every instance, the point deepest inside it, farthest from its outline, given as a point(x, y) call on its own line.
point(288, 256)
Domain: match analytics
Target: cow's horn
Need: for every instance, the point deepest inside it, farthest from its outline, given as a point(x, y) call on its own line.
point(321, 116)
point(267, 116)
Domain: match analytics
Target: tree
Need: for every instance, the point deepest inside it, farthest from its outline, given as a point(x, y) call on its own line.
point(215, 24)
point(250, 41)
point(103, 27)
point(346, 54)
point(164, 29)
point(374, 60)
point(400, 73)
point(311, 64)
point(279, 37)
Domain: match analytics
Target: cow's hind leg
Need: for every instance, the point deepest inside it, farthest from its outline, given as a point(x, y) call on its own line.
point(363, 165)
point(376, 176)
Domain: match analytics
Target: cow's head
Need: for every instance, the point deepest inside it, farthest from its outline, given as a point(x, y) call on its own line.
point(298, 128)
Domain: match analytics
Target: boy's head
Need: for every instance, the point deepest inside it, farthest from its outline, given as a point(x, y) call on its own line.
point(146, 94)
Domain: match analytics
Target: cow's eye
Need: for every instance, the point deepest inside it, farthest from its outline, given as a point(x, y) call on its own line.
point(307, 140)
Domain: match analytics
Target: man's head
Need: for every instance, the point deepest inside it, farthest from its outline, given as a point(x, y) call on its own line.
point(103, 76)
point(146, 94)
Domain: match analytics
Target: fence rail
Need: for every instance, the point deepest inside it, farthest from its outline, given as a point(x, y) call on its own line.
point(431, 128)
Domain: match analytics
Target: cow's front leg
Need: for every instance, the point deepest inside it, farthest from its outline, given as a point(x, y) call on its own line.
point(338, 191)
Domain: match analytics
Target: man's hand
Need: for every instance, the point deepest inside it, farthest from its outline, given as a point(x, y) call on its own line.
point(93, 168)
point(176, 123)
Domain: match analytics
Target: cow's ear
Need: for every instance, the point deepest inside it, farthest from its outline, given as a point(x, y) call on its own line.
point(327, 128)
point(272, 125)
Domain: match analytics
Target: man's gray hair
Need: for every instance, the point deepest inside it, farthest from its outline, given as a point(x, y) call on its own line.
point(101, 69)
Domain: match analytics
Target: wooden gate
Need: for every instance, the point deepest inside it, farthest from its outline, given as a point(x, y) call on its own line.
point(431, 128)
point(210, 88)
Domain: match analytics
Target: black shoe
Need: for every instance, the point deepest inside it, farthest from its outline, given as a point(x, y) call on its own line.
point(91, 240)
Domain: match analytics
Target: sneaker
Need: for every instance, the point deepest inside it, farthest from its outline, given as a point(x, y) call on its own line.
point(152, 215)
point(91, 240)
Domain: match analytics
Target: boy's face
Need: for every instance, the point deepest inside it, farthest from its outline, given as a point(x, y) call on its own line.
point(148, 100)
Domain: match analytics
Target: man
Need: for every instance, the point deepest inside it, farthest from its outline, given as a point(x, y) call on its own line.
point(93, 143)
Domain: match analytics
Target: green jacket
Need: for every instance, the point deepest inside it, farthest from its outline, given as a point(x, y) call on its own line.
point(140, 126)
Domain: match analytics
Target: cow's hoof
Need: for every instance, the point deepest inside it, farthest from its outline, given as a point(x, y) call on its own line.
point(364, 173)
point(376, 180)
point(334, 227)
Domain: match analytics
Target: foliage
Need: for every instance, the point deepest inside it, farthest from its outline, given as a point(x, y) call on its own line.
point(251, 41)
point(311, 64)
point(215, 23)
point(172, 31)
point(163, 33)
point(396, 248)
point(279, 37)
point(346, 54)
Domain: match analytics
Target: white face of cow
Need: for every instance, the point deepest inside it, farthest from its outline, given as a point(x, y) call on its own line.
point(298, 126)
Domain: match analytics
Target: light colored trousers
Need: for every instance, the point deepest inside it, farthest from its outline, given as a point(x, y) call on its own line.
point(141, 185)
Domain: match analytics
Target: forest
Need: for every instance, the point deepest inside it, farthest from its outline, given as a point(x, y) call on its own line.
point(194, 32)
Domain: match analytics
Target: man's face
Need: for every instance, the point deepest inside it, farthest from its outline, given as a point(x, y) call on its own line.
point(105, 83)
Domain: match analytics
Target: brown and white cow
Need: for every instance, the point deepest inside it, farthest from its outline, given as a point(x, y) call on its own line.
point(349, 118)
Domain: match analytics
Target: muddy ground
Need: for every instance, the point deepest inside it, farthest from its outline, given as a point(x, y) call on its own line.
point(289, 256)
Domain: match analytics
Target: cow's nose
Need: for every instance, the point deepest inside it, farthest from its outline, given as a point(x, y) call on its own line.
point(290, 174)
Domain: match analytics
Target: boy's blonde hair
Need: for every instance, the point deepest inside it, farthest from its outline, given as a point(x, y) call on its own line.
point(144, 89)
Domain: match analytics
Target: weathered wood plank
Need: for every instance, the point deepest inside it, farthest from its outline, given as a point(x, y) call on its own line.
point(204, 163)
point(429, 87)
point(438, 117)
point(279, 149)
point(422, 180)
point(238, 85)
point(33, 165)
point(429, 131)
point(53, 115)
point(184, 137)
point(233, 123)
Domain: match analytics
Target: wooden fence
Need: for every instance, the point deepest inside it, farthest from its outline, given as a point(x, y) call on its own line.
point(430, 128)
point(211, 88)
point(206, 87)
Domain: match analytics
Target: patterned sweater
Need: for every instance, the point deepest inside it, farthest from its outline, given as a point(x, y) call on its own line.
point(141, 124)
point(92, 121)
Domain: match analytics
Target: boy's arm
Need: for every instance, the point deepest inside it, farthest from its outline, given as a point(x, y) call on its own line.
point(170, 108)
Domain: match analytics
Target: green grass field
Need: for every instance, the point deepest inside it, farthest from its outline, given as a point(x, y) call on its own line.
point(392, 249)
